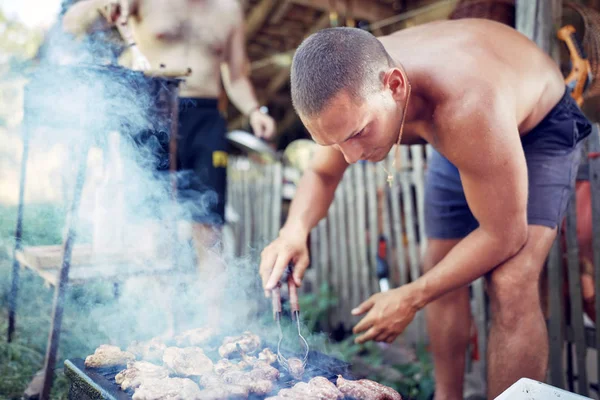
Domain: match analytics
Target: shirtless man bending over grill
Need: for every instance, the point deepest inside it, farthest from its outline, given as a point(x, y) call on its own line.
point(208, 37)
point(507, 140)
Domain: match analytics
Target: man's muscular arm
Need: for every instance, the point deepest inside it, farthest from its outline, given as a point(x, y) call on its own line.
point(312, 200)
point(237, 83)
point(81, 16)
point(482, 140)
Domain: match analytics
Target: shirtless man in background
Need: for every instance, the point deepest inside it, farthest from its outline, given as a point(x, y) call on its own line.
point(507, 139)
point(208, 37)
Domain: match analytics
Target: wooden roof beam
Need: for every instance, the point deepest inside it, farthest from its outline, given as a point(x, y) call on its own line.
point(369, 11)
point(258, 16)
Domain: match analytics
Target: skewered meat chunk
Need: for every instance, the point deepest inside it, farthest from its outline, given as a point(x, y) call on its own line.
point(195, 337)
point(365, 389)
point(151, 350)
point(187, 361)
point(247, 342)
point(139, 371)
point(267, 355)
point(318, 388)
point(108, 356)
point(296, 367)
point(168, 389)
point(225, 364)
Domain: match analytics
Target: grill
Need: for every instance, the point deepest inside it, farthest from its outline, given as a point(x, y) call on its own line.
point(99, 383)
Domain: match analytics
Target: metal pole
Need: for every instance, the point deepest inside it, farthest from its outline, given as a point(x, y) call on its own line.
point(14, 289)
point(59, 293)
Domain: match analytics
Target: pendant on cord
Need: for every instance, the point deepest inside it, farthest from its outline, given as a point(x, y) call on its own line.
point(390, 179)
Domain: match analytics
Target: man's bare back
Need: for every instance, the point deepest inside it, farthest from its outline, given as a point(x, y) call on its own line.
point(445, 61)
point(184, 34)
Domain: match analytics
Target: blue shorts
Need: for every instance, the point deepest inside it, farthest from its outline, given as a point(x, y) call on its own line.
point(552, 150)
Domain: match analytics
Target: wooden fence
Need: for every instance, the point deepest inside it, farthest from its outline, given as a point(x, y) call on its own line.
point(344, 248)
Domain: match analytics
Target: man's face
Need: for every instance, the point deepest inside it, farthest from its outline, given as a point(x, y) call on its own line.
point(364, 130)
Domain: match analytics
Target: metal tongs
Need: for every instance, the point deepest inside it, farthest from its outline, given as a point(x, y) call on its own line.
point(295, 310)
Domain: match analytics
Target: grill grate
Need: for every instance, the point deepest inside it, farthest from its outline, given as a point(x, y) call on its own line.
point(99, 383)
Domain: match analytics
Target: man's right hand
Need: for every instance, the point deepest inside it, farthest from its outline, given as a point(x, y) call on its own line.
point(286, 249)
point(117, 11)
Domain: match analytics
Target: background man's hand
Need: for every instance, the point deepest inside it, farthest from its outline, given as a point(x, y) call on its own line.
point(278, 255)
point(262, 125)
point(389, 313)
point(139, 62)
point(117, 11)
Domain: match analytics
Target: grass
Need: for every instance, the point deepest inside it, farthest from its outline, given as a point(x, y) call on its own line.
point(93, 316)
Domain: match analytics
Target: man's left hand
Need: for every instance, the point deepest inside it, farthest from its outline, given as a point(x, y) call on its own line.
point(388, 314)
point(262, 125)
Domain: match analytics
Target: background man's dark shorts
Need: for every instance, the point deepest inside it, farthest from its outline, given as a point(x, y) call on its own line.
point(552, 150)
point(202, 151)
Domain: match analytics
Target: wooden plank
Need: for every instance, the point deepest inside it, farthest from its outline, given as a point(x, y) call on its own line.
point(576, 320)
point(247, 209)
point(258, 16)
point(418, 175)
point(342, 268)
point(594, 168)
point(372, 226)
point(407, 202)
point(384, 222)
point(335, 260)
point(398, 242)
point(555, 295)
point(268, 201)
point(361, 222)
point(535, 19)
point(353, 269)
point(368, 11)
point(323, 262)
point(277, 198)
point(280, 11)
point(481, 319)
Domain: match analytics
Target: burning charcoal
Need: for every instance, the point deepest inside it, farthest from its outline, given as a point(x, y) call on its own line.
point(267, 355)
point(151, 350)
point(108, 356)
point(318, 388)
point(139, 371)
point(296, 367)
point(232, 345)
point(365, 389)
point(195, 337)
point(168, 389)
point(187, 361)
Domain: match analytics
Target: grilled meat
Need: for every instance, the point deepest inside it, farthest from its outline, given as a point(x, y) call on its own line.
point(318, 388)
point(296, 367)
point(253, 383)
point(138, 372)
point(168, 389)
point(267, 355)
point(195, 337)
point(247, 342)
point(187, 361)
point(213, 387)
point(262, 370)
point(151, 350)
point(108, 356)
point(365, 389)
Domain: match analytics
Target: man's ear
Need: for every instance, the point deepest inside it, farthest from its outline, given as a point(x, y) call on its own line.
point(395, 81)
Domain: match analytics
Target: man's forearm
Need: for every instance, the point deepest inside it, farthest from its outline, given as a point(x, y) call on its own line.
point(241, 94)
point(312, 200)
point(471, 258)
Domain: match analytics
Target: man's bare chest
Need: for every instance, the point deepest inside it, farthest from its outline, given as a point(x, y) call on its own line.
point(176, 23)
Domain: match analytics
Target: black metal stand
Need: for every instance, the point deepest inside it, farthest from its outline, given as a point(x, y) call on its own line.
point(14, 289)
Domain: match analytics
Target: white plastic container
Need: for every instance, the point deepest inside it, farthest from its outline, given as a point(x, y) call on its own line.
point(528, 389)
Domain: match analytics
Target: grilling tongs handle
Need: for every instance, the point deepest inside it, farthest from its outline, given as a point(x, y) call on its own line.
point(276, 298)
point(293, 292)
